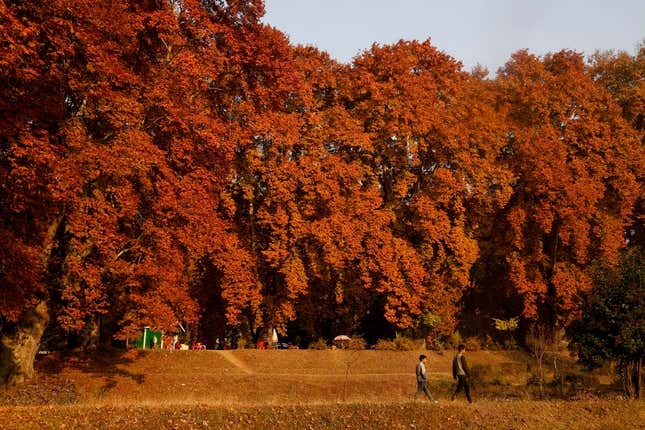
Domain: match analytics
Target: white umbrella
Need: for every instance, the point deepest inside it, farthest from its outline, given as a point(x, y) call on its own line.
point(342, 337)
point(274, 336)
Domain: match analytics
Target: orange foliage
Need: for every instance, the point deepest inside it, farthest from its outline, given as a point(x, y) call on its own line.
point(575, 161)
point(180, 162)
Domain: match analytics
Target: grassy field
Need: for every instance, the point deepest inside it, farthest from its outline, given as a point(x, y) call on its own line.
point(294, 389)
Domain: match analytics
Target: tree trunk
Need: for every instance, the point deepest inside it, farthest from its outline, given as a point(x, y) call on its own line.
point(19, 347)
point(625, 378)
point(91, 335)
point(635, 369)
point(639, 378)
point(632, 377)
point(19, 344)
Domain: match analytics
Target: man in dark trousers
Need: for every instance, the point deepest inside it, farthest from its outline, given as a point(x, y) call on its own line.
point(460, 373)
point(422, 379)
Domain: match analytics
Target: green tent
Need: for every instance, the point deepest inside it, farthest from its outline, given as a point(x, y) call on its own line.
point(146, 341)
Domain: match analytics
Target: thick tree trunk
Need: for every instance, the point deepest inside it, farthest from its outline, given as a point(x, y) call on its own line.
point(18, 348)
point(633, 377)
point(19, 344)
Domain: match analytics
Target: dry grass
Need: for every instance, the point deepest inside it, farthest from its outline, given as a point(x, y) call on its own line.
point(599, 415)
point(289, 389)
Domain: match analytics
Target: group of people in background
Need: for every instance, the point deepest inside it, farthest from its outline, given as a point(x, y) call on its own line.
point(459, 372)
point(172, 342)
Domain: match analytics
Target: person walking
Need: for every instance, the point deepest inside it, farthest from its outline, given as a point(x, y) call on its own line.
point(422, 379)
point(460, 373)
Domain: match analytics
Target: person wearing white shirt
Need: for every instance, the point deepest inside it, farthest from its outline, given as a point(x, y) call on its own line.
point(422, 379)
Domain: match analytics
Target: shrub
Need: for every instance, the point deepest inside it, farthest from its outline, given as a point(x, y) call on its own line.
point(385, 345)
point(510, 344)
point(472, 344)
point(319, 344)
point(404, 344)
point(435, 344)
point(512, 369)
point(491, 344)
point(357, 343)
point(400, 343)
point(534, 379)
point(482, 374)
point(454, 340)
point(581, 380)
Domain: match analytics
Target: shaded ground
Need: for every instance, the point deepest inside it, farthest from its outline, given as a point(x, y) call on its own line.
point(42, 390)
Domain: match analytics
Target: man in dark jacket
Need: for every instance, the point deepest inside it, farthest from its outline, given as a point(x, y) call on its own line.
point(422, 379)
point(460, 373)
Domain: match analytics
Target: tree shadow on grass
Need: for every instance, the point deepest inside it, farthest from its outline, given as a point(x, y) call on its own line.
point(105, 366)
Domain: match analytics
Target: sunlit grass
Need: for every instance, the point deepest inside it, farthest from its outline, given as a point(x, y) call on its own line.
point(294, 390)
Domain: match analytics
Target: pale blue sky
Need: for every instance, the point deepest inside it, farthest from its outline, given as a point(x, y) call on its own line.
point(473, 31)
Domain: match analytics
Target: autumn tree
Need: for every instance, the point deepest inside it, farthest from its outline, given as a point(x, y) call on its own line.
point(112, 162)
point(623, 75)
point(575, 162)
point(309, 209)
point(433, 151)
point(29, 149)
point(355, 265)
